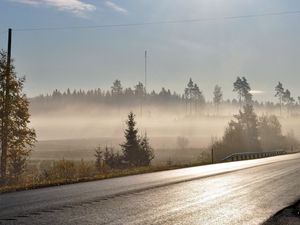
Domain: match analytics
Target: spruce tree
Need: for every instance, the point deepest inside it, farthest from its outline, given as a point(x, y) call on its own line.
point(147, 154)
point(136, 149)
point(131, 147)
point(16, 137)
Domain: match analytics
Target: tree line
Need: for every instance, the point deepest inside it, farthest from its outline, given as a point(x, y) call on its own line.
point(192, 98)
point(245, 132)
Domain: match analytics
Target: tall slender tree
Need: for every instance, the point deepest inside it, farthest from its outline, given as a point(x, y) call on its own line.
point(288, 100)
point(140, 93)
point(117, 89)
point(218, 97)
point(279, 94)
point(237, 87)
point(16, 138)
point(116, 93)
point(242, 87)
point(188, 94)
point(198, 97)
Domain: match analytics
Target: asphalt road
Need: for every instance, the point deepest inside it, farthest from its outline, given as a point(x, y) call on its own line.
point(247, 192)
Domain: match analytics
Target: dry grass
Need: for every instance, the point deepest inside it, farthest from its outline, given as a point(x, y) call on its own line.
point(31, 182)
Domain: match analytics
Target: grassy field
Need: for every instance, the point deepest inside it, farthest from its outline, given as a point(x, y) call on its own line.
point(77, 149)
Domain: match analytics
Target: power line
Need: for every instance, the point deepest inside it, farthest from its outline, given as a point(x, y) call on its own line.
point(158, 22)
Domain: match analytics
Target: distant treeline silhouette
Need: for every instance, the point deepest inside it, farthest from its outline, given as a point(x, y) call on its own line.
point(192, 98)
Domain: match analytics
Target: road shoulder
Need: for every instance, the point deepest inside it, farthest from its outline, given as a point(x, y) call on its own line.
point(288, 216)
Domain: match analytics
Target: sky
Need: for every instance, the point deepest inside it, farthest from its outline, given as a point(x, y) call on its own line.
point(214, 50)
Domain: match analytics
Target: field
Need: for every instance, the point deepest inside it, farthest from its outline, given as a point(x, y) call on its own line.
point(74, 132)
point(77, 149)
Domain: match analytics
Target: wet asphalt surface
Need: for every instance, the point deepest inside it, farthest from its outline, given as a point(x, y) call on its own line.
point(247, 192)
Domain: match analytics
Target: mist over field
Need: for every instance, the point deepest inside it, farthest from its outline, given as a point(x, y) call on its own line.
point(73, 132)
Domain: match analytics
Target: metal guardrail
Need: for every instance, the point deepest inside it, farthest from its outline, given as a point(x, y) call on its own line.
point(251, 155)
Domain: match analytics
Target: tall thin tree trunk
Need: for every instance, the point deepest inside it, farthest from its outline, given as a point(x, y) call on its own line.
point(4, 138)
point(280, 106)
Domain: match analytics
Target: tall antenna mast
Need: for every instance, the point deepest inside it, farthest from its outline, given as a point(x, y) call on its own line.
point(146, 53)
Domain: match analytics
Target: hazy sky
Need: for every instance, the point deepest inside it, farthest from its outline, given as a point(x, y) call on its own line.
point(264, 49)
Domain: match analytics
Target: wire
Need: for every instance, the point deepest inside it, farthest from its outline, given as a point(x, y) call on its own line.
point(158, 22)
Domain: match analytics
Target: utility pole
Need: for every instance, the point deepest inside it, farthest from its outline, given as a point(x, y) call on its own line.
point(6, 112)
point(212, 156)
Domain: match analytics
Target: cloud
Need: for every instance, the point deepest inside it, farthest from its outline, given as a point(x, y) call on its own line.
point(76, 7)
point(116, 7)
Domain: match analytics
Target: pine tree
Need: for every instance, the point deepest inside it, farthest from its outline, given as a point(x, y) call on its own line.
point(198, 97)
point(288, 99)
point(246, 91)
point(237, 87)
point(16, 138)
point(111, 159)
point(140, 94)
point(139, 90)
point(242, 87)
point(116, 89)
point(188, 94)
point(248, 121)
point(136, 150)
point(147, 154)
point(279, 93)
point(131, 147)
point(241, 135)
point(270, 133)
point(218, 95)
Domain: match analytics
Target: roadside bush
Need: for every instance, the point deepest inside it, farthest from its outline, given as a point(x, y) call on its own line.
point(99, 159)
point(85, 169)
point(112, 160)
point(62, 170)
